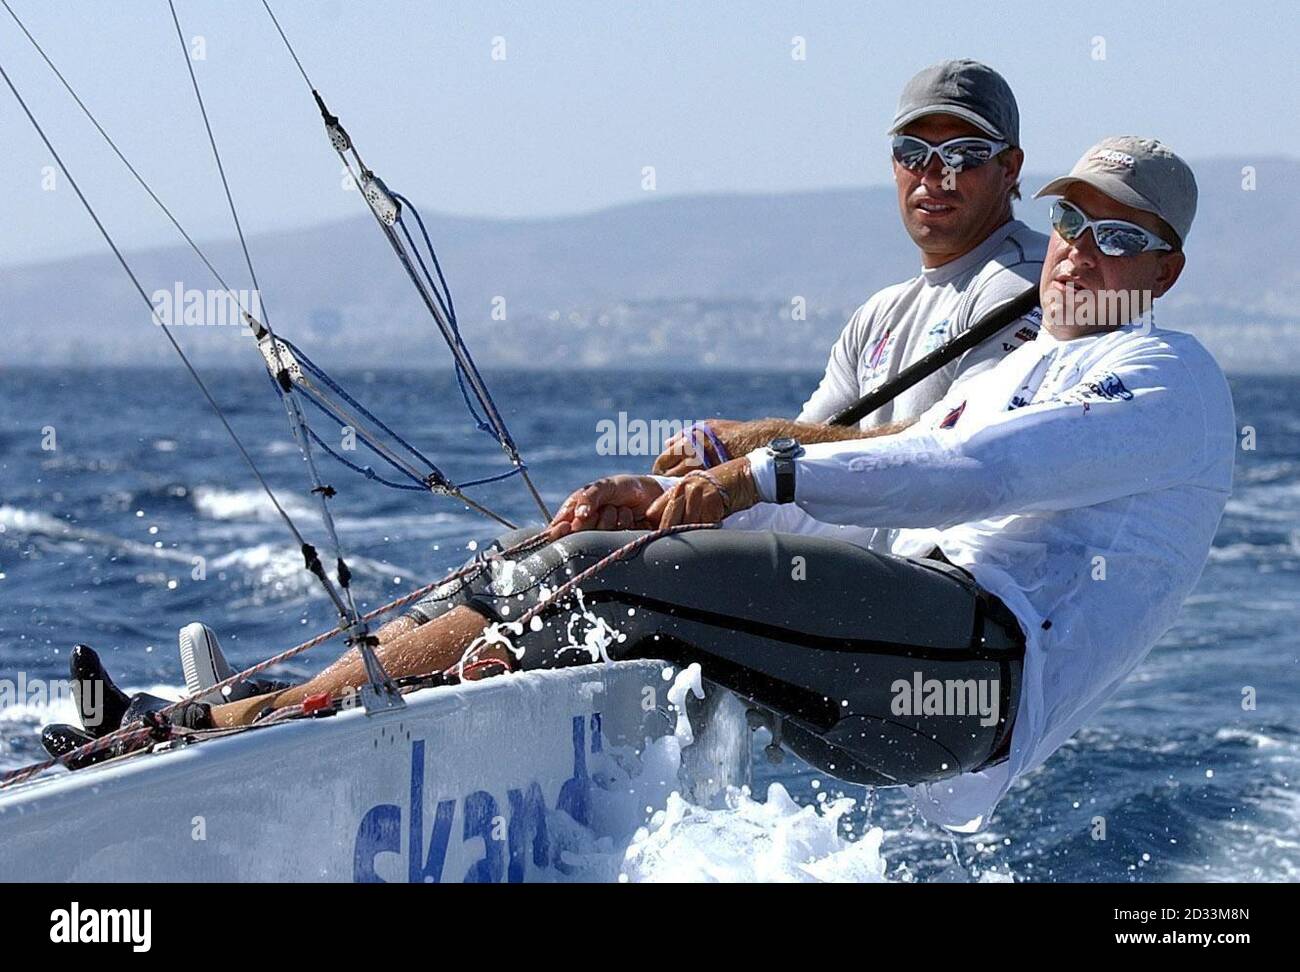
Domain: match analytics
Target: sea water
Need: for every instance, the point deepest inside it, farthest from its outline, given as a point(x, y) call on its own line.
point(141, 518)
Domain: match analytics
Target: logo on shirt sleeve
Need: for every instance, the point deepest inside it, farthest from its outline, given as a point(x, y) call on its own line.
point(1029, 331)
point(879, 353)
point(951, 418)
point(937, 335)
point(1026, 332)
point(1108, 386)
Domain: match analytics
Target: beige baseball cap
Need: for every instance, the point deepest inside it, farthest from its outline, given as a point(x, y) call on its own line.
point(1139, 172)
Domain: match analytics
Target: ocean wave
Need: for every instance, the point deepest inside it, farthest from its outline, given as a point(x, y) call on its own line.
point(64, 462)
point(1254, 738)
point(73, 537)
point(1266, 508)
point(218, 503)
point(1264, 473)
point(32, 523)
point(433, 523)
point(1230, 553)
point(272, 572)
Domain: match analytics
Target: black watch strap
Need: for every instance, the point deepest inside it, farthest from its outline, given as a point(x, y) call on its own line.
point(784, 466)
point(784, 451)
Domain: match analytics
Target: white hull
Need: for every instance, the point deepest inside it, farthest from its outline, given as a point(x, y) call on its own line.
point(471, 782)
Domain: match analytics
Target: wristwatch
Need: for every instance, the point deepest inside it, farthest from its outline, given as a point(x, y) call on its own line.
point(784, 451)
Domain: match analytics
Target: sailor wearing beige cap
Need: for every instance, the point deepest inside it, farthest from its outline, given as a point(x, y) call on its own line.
point(1123, 213)
point(1080, 481)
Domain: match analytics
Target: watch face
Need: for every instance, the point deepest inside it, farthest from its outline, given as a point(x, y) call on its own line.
point(783, 444)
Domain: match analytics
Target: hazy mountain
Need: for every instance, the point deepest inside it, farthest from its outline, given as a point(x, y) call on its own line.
point(699, 278)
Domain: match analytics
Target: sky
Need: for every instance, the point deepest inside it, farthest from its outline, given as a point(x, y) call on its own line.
point(587, 95)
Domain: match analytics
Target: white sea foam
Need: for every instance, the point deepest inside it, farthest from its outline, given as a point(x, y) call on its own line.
point(276, 571)
point(433, 522)
point(743, 840)
point(29, 522)
point(748, 841)
point(232, 507)
point(249, 504)
point(1257, 739)
point(1262, 553)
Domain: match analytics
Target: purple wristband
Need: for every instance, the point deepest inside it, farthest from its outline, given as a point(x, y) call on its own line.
point(718, 448)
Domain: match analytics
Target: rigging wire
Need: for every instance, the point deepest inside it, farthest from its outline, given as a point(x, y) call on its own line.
point(216, 155)
point(434, 481)
point(207, 394)
point(118, 152)
point(445, 302)
point(386, 209)
point(297, 419)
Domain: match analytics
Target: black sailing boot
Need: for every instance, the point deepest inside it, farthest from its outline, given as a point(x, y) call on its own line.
point(100, 703)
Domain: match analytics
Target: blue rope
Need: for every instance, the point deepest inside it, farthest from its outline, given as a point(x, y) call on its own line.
point(502, 435)
point(332, 385)
point(513, 471)
point(406, 203)
point(479, 421)
point(443, 297)
point(442, 294)
point(417, 484)
point(367, 471)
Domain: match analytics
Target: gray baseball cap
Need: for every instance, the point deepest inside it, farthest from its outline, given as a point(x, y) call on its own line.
point(966, 89)
point(1138, 172)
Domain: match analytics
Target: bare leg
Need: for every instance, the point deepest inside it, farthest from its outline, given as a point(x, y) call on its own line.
point(418, 650)
point(397, 626)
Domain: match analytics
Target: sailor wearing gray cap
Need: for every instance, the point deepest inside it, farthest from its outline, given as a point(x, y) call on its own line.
point(957, 157)
point(965, 89)
point(956, 168)
point(1118, 230)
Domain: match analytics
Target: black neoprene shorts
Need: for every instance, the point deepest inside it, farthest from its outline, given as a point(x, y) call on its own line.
point(823, 633)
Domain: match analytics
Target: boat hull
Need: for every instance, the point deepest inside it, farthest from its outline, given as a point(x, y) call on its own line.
point(479, 782)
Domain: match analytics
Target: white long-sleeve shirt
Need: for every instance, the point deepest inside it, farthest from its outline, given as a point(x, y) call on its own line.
point(901, 324)
point(1080, 481)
